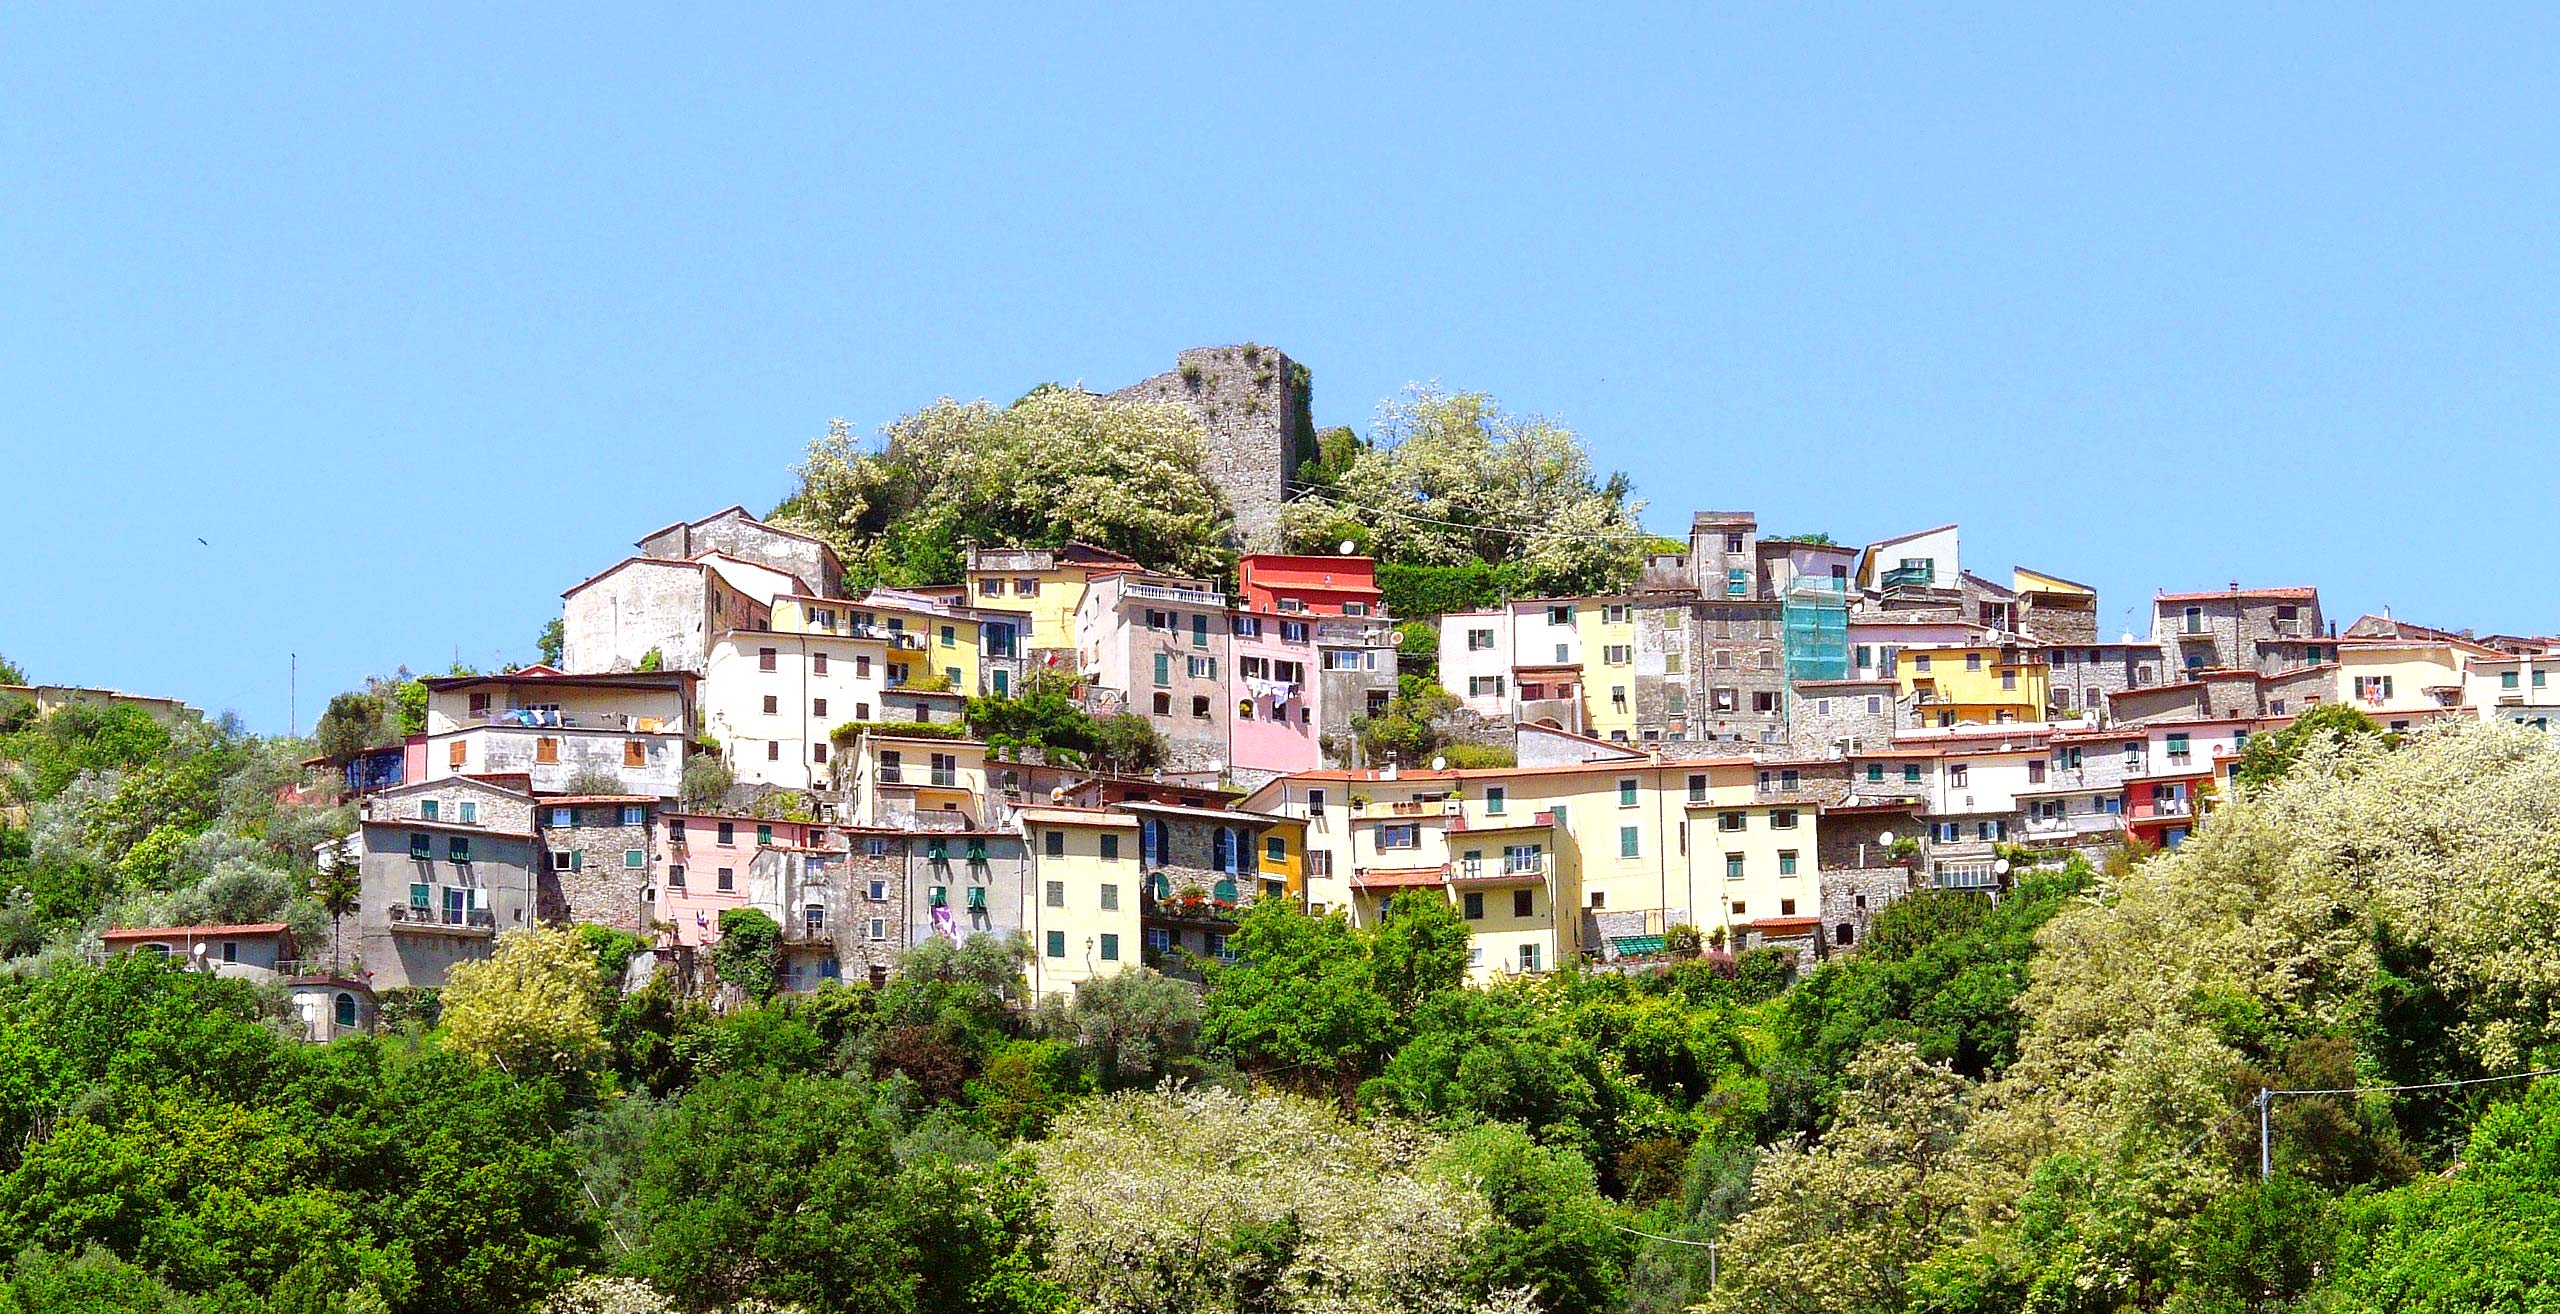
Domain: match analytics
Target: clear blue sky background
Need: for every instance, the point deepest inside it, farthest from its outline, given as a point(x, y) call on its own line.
point(419, 318)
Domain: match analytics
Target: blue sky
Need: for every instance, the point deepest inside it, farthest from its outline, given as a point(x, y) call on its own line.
point(419, 318)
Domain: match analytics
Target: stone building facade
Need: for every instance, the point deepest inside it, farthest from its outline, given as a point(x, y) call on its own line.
point(2081, 677)
point(1738, 692)
point(1253, 405)
point(1841, 716)
point(1355, 677)
point(1851, 898)
point(445, 866)
point(735, 533)
point(2236, 629)
point(596, 861)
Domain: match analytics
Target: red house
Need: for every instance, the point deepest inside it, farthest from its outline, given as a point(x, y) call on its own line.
point(1321, 586)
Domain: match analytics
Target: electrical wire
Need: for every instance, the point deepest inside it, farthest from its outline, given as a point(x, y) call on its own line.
point(1346, 504)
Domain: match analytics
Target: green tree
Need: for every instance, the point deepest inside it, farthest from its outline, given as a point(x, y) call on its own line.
point(553, 642)
point(1407, 733)
point(749, 952)
point(11, 672)
point(531, 1006)
point(1449, 478)
point(1554, 1235)
point(1137, 1025)
point(353, 723)
point(779, 1187)
point(1300, 1003)
point(2270, 757)
point(2485, 1238)
point(1056, 465)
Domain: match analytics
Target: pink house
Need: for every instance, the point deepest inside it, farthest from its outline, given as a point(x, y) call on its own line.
point(1272, 693)
point(702, 862)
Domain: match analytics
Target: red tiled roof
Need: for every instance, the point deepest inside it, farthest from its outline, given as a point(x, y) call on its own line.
point(1776, 926)
point(2294, 594)
point(158, 932)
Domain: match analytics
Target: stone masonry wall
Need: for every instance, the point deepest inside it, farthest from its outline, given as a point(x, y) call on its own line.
point(598, 887)
point(1251, 402)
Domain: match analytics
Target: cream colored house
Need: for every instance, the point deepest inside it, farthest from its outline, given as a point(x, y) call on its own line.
point(1082, 903)
point(1550, 863)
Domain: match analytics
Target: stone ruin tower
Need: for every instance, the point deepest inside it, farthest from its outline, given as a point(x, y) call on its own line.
point(1255, 406)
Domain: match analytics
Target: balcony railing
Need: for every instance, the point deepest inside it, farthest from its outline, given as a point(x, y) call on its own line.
point(1909, 577)
point(1168, 593)
point(1505, 868)
point(471, 921)
point(1502, 821)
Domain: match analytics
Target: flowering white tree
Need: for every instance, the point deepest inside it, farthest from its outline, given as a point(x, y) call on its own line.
point(1208, 1200)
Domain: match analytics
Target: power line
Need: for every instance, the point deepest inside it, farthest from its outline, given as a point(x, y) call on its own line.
point(2424, 1085)
point(1675, 1240)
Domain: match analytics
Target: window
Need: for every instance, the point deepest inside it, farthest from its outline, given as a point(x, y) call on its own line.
point(1057, 944)
point(1697, 789)
point(635, 753)
point(1164, 669)
point(1738, 907)
point(817, 752)
point(2035, 771)
point(1627, 840)
point(421, 847)
point(765, 659)
point(1275, 849)
point(1911, 773)
point(2008, 679)
point(1782, 819)
point(728, 832)
point(817, 663)
point(1473, 905)
point(1529, 957)
point(1200, 707)
point(2193, 620)
point(2178, 750)
point(1110, 848)
point(458, 848)
point(634, 859)
point(430, 810)
point(1959, 776)
point(1786, 862)
point(634, 814)
point(1626, 791)
point(772, 704)
point(1973, 661)
point(1293, 631)
point(1875, 773)
point(1479, 640)
point(1560, 615)
point(1484, 686)
point(1163, 705)
point(1564, 654)
point(727, 878)
point(1404, 835)
point(1731, 822)
point(1200, 631)
point(563, 860)
point(764, 836)
point(675, 874)
point(2507, 679)
point(455, 753)
point(1786, 907)
point(1617, 654)
point(1737, 583)
point(1053, 844)
point(1201, 668)
point(1110, 947)
point(1733, 866)
point(773, 750)
point(1671, 662)
point(1495, 797)
point(1948, 832)
point(546, 752)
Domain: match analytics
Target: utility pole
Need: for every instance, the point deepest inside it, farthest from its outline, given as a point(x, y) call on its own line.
point(1711, 1266)
point(292, 695)
point(2266, 1157)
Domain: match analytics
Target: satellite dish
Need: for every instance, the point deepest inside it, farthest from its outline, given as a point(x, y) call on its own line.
point(1884, 838)
point(1348, 547)
point(1439, 764)
point(2002, 866)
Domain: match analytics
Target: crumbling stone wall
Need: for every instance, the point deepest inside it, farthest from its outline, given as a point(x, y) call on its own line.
point(1252, 403)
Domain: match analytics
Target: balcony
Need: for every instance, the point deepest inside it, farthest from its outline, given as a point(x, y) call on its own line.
point(1910, 577)
point(472, 921)
point(1509, 869)
point(1459, 823)
point(1191, 906)
point(1168, 593)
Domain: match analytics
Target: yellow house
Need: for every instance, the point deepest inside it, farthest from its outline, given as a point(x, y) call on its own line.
point(1968, 684)
point(1550, 863)
point(1045, 585)
point(1083, 896)
point(1282, 864)
point(927, 638)
point(1608, 633)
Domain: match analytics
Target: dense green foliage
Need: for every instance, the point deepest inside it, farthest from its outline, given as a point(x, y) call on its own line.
point(1043, 714)
point(1452, 480)
point(1055, 466)
point(136, 823)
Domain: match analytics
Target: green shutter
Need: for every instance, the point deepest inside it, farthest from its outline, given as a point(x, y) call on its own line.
point(577, 860)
